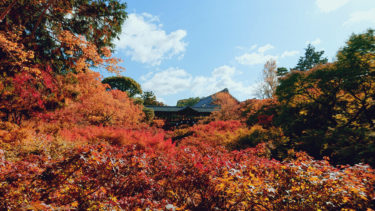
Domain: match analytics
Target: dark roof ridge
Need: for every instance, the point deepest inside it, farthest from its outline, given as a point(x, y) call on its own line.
point(224, 90)
point(209, 101)
point(165, 106)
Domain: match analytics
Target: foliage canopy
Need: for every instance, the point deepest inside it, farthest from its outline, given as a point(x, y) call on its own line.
point(310, 59)
point(187, 102)
point(124, 84)
point(329, 110)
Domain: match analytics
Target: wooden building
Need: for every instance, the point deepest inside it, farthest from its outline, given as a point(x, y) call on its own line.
point(189, 115)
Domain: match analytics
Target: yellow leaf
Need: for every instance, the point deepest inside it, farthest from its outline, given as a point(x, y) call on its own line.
point(75, 204)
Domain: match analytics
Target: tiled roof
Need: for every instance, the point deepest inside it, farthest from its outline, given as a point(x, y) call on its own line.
point(209, 101)
point(165, 108)
point(203, 110)
point(205, 105)
point(178, 109)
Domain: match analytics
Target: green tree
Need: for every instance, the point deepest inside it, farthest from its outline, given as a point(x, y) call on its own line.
point(310, 59)
point(187, 102)
point(329, 110)
point(149, 98)
point(281, 71)
point(124, 84)
point(149, 114)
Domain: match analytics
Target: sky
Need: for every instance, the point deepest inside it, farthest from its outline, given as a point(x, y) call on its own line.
point(194, 48)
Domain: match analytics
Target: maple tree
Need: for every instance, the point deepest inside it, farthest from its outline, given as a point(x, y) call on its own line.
point(69, 142)
point(25, 86)
point(259, 111)
point(99, 22)
point(228, 107)
point(94, 105)
point(103, 176)
point(215, 133)
point(39, 53)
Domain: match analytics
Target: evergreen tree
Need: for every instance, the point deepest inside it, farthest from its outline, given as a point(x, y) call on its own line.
point(310, 59)
point(188, 102)
point(124, 84)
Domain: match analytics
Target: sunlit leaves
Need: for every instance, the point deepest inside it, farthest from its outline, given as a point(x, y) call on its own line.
point(329, 109)
point(126, 177)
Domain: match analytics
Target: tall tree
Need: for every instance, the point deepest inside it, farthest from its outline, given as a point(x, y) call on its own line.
point(124, 84)
point(269, 81)
point(149, 98)
point(281, 71)
point(45, 44)
point(42, 27)
point(310, 59)
point(329, 110)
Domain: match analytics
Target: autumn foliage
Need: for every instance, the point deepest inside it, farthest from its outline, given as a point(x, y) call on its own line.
point(94, 105)
point(228, 107)
point(69, 142)
point(104, 176)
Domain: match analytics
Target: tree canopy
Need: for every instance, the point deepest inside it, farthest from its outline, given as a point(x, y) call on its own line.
point(52, 28)
point(149, 98)
point(45, 44)
point(281, 71)
point(187, 102)
point(68, 142)
point(310, 59)
point(329, 109)
point(124, 84)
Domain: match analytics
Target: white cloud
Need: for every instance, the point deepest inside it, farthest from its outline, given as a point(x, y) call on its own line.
point(259, 56)
point(289, 53)
point(361, 16)
point(167, 82)
point(254, 58)
point(144, 40)
point(264, 48)
point(220, 78)
point(172, 81)
point(160, 99)
point(330, 5)
point(253, 47)
point(315, 42)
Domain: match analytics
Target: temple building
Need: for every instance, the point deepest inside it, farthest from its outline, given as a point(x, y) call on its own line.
point(188, 115)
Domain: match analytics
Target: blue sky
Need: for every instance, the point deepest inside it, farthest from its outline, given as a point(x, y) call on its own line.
point(190, 48)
